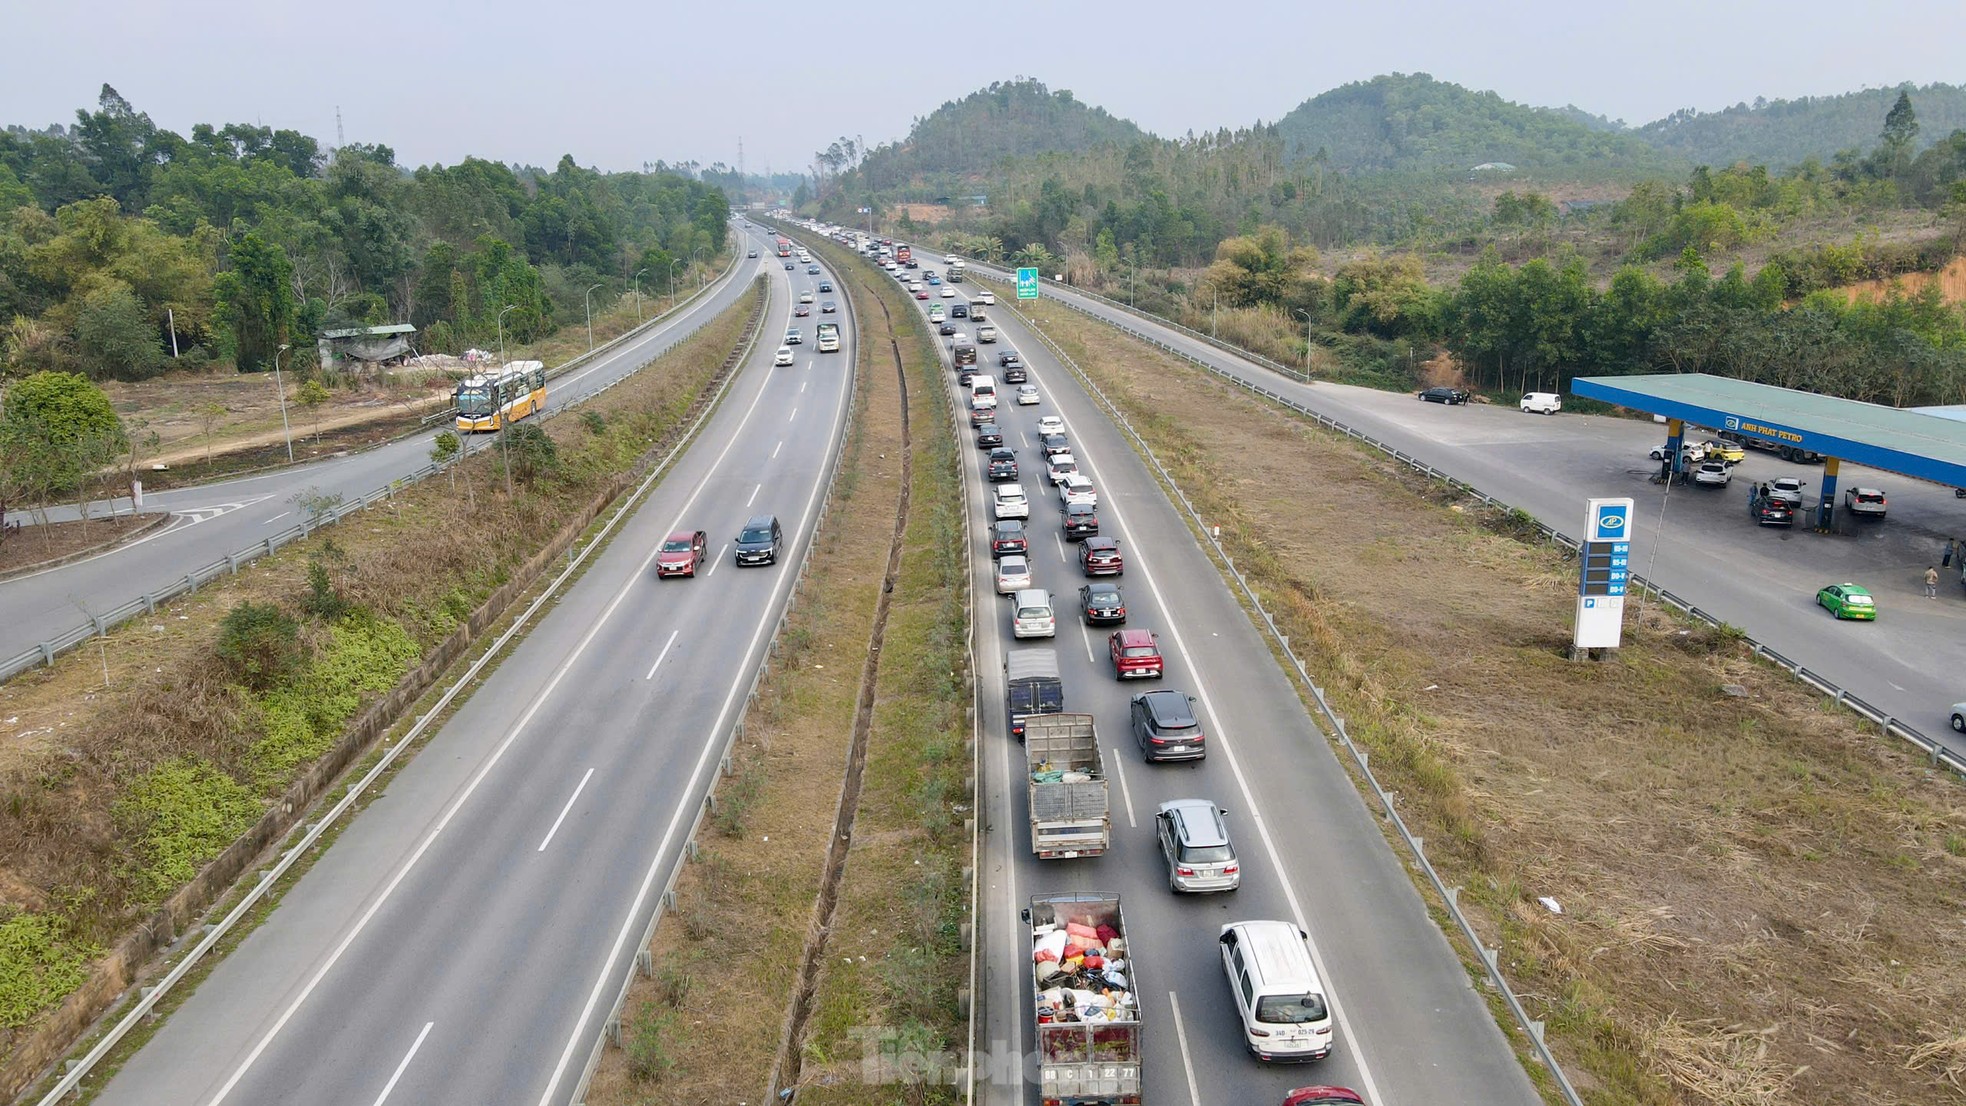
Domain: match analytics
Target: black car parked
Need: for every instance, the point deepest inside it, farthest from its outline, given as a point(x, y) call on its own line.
point(1450, 396)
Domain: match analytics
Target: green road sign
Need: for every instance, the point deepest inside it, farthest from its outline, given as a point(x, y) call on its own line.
point(1027, 284)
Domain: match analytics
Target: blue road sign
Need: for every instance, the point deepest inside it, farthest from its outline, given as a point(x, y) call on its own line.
point(1611, 521)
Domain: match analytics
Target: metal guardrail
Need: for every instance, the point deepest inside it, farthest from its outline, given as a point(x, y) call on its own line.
point(1935, 751)
point(643, 962)
point(147, 603)
point(1490, 957)
point(150, 996)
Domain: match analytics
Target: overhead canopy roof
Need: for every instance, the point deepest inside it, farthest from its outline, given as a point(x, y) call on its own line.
point(1927, 446)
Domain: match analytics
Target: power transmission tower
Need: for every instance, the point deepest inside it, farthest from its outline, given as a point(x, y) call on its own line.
point(340, 139)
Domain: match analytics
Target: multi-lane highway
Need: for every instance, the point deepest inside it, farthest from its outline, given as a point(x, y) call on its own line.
point(215, 520)
point(1410, 1027)
point(464, 937)
point(1696, 542)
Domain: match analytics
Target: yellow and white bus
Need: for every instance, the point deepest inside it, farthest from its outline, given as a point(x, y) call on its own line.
point(495, 399)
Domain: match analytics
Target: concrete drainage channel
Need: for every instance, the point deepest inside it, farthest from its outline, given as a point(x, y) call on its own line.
point(785, 1067)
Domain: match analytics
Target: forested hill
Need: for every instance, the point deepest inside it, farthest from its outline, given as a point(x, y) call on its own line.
point(1781, 133)
point(1414, 122)
point(966, 137)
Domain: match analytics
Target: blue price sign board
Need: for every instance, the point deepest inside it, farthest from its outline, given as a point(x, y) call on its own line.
point(1604, 574)
point(1027, 284)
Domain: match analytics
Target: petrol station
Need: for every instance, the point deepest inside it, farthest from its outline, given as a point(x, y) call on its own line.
point(1793, 424)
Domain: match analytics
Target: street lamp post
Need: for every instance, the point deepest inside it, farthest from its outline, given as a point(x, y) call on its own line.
point(501, 330)
point(638, 294)
point(588, 298)
point(672, 277)
point(1132, 273)
point(1214, 314)
point(700, 276)
point(282, 389)
point(1307, 343)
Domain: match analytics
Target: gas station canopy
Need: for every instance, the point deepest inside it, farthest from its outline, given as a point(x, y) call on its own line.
point(1929, 447)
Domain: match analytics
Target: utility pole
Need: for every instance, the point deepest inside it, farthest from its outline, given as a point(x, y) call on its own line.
point(501, 332)
point(638, 294)
point(589, 299)
point(1307, 344)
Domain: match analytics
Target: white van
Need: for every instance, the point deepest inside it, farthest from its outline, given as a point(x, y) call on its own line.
point(1541, 403)
point(1285, 1014)
point(1034, 617)
point(983, 387)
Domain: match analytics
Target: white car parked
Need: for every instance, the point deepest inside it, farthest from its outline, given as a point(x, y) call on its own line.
point(1787, 487)
point(1011, 502)
point(1050, 424)
point(1077, 488)
point(1013, 575)
point(1714, 474)
point(1059, 466)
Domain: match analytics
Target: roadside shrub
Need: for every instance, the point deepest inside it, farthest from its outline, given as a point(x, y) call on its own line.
point(593, 421)
point(651, 1043)
point(41, 960)
point(181, 814)
point(364, 655)
point(532, 452)
point(259, 643)
point(322, 600)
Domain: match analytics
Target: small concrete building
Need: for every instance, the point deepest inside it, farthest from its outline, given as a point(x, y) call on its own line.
point(365, 345)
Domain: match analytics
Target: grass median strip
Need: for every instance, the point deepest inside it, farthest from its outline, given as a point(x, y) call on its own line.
point(1760, 896)
point(708, 1024)
point(213, 707)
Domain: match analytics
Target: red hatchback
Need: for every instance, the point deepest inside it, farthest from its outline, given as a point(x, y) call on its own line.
point(1101, 557)
point(681, 552)
point(1323, 1096)
point(1135, 653)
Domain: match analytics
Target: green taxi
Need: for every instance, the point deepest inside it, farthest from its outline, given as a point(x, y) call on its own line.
point(1847, 601)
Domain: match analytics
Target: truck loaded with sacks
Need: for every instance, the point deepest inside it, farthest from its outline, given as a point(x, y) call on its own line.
point(1088, 1007)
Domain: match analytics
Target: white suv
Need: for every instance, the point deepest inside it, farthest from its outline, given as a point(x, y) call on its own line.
point(1011, 502)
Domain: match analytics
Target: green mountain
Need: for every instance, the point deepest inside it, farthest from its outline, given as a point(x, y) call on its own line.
point(1781, 133)
point(966, 138)
point(1414, 122)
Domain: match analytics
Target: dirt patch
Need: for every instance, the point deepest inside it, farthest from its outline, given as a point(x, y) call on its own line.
point(1951, 281)
point(49, 543)
point(1761, 896)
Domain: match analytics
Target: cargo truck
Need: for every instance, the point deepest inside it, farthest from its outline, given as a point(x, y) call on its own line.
point(1031, 686)
point(1088, 1008)
point(829, 338)
point(1070, 808)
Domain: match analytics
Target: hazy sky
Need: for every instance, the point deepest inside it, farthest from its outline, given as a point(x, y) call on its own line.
point(619, 83)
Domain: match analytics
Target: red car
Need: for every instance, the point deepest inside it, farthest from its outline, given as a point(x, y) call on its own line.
point(1323, 1096)
point(681, 552)
point(1135, 653)
point(922, 295)
point(1101, 557)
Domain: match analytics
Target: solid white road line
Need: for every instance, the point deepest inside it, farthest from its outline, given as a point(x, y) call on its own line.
point(571, 799)
point(1063, 559)
point(662, 856)
point(664, 653)
point(754, 495)
point(278, 517)
point(404, 1066)
point(1126, 796)
point(511, 735)
point(1087, 635)
point(1220, 740)
point(718, 561)
point(1181, 1034)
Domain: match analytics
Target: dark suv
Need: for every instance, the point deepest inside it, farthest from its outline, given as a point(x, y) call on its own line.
point(1080, 521)
point(1014, 373)
point(757, 543)
point(1003, 465)
point(1165, 726)
point(1007, 537)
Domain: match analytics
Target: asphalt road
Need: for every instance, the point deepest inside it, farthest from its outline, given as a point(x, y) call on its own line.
point(462, 940)
point(1696, 542)
point(215, 520)
point(1410, 1028)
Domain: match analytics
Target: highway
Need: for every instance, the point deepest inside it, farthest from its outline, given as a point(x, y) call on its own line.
point(1696, 542)
point(1410, 1028)
point(463, 939)
point(215, 520)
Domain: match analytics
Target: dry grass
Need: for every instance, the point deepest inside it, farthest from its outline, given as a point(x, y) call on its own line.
point(37, 544)
point(1951, 281)
point(1761, 897)
point(70, 745)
